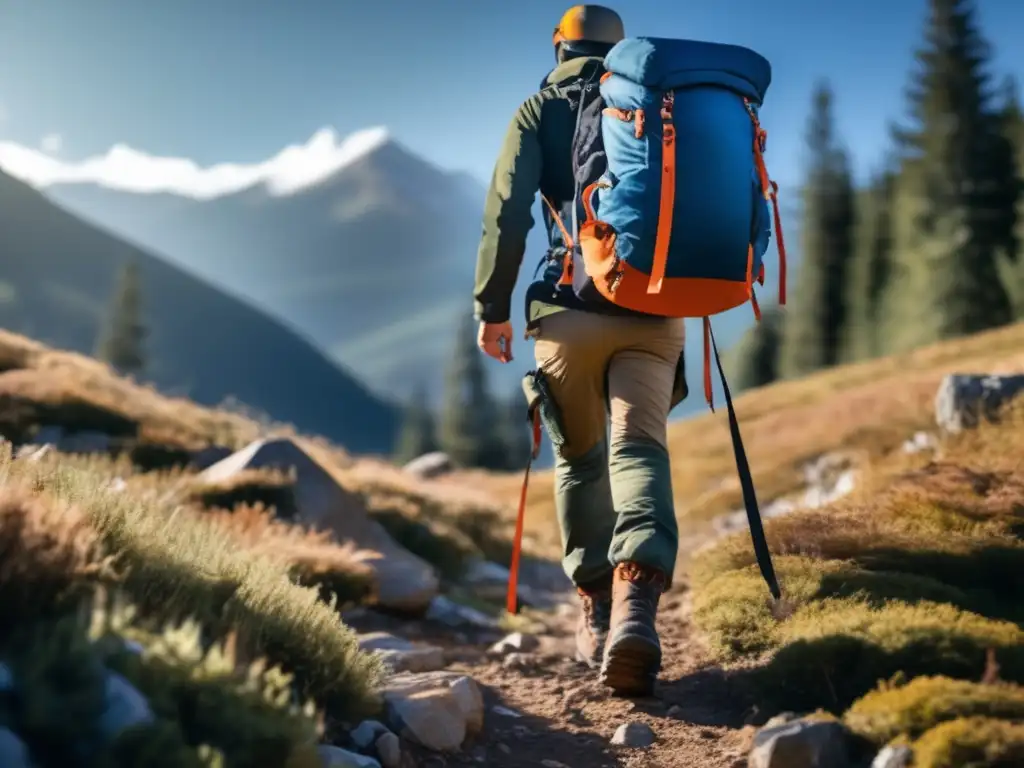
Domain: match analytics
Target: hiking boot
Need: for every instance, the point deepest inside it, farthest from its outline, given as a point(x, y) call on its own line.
point(632, 655)
point(592, 628)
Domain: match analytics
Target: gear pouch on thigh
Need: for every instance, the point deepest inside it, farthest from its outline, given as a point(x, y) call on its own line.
point(538, 396)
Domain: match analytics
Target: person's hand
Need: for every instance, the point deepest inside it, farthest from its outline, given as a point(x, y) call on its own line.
point(495, 340)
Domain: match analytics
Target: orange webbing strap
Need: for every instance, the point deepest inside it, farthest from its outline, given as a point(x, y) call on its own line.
point(668, 194)
point(771, 193)
point(512, 599)
point(566, 278)
point(750, 282)
point(782, 243)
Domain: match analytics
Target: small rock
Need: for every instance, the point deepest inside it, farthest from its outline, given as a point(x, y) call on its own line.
point(801, 744)
point(430, 465)
point(123, 707)
point(675, 712)
point(894, 757)
point(965, 400)
point(445, 611)
point(505, 711)
point(780, 719)
point(635, 735)
point(401, 655)
point(553, 764)
point(13, 751)
point(389, 750)
point(520, 661)
point(367, 733)
point(336, 757)
point(505, 749)
point(437, 710)
point(516, 642)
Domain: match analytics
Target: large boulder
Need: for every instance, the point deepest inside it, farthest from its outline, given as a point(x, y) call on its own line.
point(402, 580)
point(964, 400)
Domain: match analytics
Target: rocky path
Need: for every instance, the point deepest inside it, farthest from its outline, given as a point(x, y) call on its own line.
point(540, 708)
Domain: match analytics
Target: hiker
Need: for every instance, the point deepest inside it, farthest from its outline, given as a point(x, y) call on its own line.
point(613, 497)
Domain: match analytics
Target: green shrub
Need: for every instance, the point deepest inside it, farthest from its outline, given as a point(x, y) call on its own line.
point(975, 742)
point(925, 702)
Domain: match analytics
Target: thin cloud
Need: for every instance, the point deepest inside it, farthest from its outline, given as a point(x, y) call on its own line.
point(51, 143)
point(122, 167)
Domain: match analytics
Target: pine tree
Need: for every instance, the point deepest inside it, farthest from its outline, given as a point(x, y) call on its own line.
point(754, 360)
point(470, 428)
point(870, 269)
point(952, 205)
point(121, 341)
point(516, 437)
point(1011, 256)
point(419, 432)
point(813, 329)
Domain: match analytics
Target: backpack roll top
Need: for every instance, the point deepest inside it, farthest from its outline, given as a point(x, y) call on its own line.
point(679, 223)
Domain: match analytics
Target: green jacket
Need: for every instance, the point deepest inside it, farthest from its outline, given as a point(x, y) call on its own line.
point(536, 156)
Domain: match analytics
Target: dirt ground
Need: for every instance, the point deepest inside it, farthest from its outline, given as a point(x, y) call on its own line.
point(566, 718)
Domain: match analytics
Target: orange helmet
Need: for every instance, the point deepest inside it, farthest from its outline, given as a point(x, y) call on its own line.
point(583, 24)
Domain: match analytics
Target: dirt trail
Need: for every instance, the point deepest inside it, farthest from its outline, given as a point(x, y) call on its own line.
point(567, 718)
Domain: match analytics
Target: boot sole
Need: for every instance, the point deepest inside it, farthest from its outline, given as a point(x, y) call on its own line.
point(631, 666)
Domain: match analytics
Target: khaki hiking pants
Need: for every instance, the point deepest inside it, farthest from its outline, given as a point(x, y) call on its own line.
point(613, 488)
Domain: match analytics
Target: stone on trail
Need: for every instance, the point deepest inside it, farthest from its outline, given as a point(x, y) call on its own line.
point(437, 710)
point(894, 757)
point(389, 750)
point(402, 580)
point(430, 465)
point(964, 400)
point(367, 732)
point(634, 735)
point(801, 744)
point(401, 655)
point(517, 642)
point(448, 612)
point(336, 757)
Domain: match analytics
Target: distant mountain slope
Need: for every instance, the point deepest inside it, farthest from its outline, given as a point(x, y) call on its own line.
point(57, 274)
point(375, 263)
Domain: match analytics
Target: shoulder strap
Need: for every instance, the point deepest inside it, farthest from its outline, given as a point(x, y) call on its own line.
point(584, 85)
point(761, 551)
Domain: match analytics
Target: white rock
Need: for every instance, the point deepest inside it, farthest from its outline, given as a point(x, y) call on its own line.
point(389, 749)
point(894, 757)
point(801, 744)
point(430, 465)
point(445, 611)
point(401, 655)
point(401, 580)
point(437, 710)
point(517, 642)
point(367, 733)
point(635, 735)
point(505, 711)
point(336, 757)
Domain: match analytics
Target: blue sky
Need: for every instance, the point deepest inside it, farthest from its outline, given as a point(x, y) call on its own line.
point(236, 80)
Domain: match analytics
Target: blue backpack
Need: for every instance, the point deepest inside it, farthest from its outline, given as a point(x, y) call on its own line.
point(671, 215)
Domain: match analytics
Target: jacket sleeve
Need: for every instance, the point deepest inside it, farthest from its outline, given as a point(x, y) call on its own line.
point(507, 215)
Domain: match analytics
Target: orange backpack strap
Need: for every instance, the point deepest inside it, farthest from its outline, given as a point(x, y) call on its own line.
point(771, 193)
point(566, 278)
point(663, 236)
point(512, 598)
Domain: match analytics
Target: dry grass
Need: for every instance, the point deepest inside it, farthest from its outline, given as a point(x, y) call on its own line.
point(918, 577)
point(869, 408)
point(176, 562)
